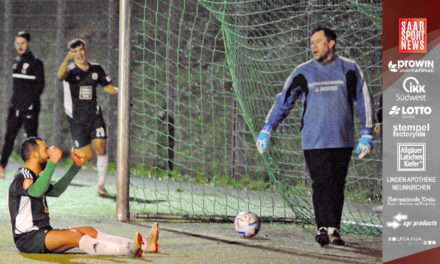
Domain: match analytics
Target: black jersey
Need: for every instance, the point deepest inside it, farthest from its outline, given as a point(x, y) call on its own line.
point(28, 82)
point(80, 91)
point(27, 213)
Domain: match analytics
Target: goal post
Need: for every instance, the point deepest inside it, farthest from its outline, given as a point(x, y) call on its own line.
point(123, 141)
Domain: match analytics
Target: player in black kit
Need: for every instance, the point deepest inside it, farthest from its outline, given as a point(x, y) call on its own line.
point(81, 79)
point(27, 85)
point(29, 211)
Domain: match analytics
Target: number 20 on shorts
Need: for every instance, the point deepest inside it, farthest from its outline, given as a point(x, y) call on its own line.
point(100, 132)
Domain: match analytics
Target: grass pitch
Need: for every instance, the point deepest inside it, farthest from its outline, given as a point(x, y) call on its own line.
point(180, 242)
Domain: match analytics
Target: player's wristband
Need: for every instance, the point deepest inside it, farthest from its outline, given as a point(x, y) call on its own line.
point(267, 128)
point(366, 131)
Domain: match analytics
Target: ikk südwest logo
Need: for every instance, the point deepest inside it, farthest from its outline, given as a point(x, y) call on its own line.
point(412, 35)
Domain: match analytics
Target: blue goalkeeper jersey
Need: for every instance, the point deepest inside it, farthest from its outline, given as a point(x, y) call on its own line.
point(328, 92)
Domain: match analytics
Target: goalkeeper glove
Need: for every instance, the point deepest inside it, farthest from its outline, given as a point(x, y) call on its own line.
point(263, 138)
point(365, 145)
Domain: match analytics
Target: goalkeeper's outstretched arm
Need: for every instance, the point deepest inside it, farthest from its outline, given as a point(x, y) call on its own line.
point(284, 102)
point(366, 113)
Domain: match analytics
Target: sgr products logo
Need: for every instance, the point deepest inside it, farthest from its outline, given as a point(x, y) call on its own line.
point(410, 111)
point(411, 66)
point(415, 92)
point(412, 35)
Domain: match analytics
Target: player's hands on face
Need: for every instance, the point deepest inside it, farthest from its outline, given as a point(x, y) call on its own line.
point(70, 55)
point(78, 156)
point(54, 154)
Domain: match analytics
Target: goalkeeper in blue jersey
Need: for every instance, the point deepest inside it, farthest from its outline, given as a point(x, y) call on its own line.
point(328, 85)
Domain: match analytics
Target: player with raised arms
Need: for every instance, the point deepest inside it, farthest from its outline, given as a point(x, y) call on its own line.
point(29, 211)
point(328, 86)
point(80, 80)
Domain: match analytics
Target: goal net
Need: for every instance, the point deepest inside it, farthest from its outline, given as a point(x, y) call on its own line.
point(204, 75)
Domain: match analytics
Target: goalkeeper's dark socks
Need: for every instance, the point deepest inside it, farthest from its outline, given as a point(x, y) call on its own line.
point(322, 237)
point(335, 239)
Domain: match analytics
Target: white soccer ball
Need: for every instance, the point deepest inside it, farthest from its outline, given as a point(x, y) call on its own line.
point(247, 224)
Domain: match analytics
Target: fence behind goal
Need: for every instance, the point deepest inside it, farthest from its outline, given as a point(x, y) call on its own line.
point(204, 75)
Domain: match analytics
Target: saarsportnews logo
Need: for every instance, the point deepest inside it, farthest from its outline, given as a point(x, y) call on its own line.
point(411, 66)
point(412, 35)
point(410, 111)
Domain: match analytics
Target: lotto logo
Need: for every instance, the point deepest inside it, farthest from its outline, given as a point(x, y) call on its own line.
point(412, 35)
point(410, 111)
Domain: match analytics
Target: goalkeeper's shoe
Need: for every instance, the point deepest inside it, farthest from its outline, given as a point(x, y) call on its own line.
point(335, 239)
point(2, 172)
point(102, 191)
point(322, 236)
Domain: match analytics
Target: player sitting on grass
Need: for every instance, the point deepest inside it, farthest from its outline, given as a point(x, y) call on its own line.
point(30, 214)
